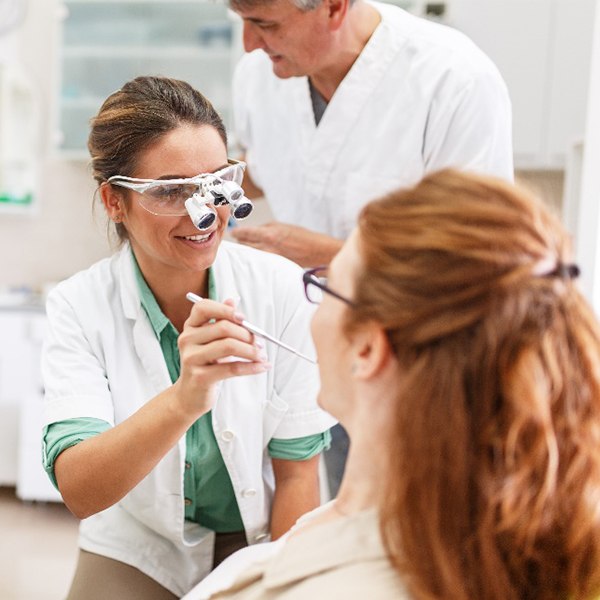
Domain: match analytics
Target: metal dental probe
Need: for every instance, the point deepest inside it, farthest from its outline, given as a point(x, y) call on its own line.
point(258, 331)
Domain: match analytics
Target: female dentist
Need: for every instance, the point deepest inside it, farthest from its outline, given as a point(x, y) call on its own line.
point(175, 434)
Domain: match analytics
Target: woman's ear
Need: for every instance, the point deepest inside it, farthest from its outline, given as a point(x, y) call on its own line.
point(373, 352)
point(113, 202)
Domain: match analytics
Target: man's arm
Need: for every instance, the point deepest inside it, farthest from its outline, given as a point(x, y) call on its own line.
point(306, 248)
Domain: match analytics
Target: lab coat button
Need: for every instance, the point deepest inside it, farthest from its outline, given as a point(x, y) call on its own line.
point(187, 502)
point(249, 493)
point(227, 435)
point(260, 537)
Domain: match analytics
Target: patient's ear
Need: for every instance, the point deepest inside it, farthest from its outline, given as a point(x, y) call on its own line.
point(373, 351)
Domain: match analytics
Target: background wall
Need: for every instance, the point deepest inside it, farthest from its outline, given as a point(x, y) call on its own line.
point(61, 237)
point(588, 209)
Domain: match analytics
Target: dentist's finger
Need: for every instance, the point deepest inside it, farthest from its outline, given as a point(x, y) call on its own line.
point(207, 354)
point(210, 332)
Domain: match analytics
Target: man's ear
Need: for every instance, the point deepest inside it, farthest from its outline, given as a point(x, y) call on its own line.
point(373, 352)
point(113, 202)
point(337, 10)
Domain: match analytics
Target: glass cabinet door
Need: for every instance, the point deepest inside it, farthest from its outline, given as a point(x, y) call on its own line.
point(106, 43)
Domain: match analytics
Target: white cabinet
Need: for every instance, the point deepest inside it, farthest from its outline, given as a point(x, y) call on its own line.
point(21, 392)
point(19, 377)
point(542, 48)
point(570, 58)
point(106, 43)
point(32, 481)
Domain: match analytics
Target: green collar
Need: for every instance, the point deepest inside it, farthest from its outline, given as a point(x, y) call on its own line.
point(157, 318)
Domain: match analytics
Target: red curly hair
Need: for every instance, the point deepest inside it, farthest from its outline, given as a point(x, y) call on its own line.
point(494, 490)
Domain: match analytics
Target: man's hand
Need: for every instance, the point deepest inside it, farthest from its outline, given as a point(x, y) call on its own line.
point(305, 247)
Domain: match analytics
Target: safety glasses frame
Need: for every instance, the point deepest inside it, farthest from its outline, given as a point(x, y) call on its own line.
point(142, 185)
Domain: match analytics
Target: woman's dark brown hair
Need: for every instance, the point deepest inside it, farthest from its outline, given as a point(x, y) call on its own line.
point(137, 116)
point(494, 490)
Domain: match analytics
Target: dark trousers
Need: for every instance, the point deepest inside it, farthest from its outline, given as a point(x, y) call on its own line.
point(335, 458)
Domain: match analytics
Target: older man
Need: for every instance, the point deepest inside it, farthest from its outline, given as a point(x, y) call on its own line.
point(346, 101)
point(339, 102)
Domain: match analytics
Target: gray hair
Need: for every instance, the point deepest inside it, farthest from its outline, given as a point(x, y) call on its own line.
point(303, 5)
point(306, 5)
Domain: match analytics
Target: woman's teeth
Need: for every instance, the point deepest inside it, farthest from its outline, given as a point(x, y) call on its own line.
point(197, 238)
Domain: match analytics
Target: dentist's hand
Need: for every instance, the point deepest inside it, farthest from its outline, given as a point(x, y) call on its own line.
point(305, 247)
point(211, 345)
point(92, 475)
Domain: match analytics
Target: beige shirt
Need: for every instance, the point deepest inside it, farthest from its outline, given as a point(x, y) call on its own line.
point(344, 558)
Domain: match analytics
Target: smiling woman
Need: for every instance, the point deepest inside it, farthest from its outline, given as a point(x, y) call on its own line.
point(169, 427)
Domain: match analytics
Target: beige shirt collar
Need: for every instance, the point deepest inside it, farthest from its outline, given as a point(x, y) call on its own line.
point(325, 547)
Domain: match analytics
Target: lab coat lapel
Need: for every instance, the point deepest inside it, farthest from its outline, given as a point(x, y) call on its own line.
point(224, 277)
point(150, 354)
point(304, 117)
point(146, 345)
point(325, 142)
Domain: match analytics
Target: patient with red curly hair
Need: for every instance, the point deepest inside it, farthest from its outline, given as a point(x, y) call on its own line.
point(456, 349)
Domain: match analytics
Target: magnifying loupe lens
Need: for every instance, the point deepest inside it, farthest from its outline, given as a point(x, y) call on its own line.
point(241, 208)
point(202, 215)
point(205, 221)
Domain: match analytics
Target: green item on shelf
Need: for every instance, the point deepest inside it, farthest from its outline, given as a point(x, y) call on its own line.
point(25, 200)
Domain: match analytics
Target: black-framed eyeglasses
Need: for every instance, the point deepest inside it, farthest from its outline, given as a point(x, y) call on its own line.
point(315, 284)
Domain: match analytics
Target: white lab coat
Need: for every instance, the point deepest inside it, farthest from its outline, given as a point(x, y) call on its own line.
point(103, 360)
point(420, 97)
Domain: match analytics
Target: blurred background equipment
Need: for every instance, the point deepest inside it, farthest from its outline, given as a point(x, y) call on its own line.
point(18, 138)
point(12, 13)
point(19, 123)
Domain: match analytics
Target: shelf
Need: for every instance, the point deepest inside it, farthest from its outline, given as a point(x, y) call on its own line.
point(94, 102)
point(167, 2)
point(106, 43)
point(147, 52)
point(74, 155)
point(83, 103)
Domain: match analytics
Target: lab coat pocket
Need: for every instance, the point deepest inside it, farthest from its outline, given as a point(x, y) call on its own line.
point(273, 413)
